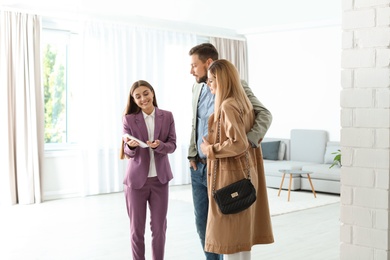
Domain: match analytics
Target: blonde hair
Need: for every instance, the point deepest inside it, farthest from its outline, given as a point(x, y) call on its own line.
point(228, 86)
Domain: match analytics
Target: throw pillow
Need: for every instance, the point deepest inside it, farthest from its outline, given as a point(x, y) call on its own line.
point(270, 150)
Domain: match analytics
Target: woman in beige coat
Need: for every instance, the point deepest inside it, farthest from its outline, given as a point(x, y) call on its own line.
point(233, 234)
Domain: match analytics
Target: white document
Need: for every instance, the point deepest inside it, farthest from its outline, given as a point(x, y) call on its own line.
point(142, 144)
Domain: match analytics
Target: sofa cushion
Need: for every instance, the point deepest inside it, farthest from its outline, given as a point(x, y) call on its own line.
point(308, 145)
point(270, 150)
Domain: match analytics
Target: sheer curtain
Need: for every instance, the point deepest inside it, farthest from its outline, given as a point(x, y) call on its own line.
point(114, 56)
point(235, 51)
point(21, 108)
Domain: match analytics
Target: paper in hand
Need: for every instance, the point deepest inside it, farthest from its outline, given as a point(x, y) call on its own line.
point(141, 144)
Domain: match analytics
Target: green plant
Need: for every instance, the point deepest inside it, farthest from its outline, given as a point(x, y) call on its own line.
point(337, 159)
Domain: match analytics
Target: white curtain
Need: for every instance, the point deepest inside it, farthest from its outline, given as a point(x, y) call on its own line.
point(235, 51)
point(21, 109)
point(114, 56)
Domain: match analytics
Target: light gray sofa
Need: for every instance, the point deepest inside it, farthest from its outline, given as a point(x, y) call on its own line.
point(308, 150)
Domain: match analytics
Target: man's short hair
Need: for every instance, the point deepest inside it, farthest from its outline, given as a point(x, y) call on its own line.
point(205, 51)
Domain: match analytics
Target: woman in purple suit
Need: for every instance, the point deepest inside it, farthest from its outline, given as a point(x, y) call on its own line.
point(149, 136)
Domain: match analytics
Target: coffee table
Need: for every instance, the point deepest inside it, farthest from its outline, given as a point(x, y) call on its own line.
point(295, 172)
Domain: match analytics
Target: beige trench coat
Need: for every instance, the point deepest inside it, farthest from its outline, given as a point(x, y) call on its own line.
point(228, 234)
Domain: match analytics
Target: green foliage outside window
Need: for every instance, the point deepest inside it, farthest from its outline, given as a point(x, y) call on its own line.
point(54, 82)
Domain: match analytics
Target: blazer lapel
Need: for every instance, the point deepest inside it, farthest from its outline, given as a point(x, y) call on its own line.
point(197, 88)
point(140, 121)
point(158, 122)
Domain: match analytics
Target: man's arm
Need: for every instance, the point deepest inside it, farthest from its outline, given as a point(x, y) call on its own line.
point(263, 118)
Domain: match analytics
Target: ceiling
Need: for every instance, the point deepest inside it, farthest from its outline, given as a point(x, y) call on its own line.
point(231, 15)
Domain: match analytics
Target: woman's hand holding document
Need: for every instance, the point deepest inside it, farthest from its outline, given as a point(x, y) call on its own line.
point(130, 137)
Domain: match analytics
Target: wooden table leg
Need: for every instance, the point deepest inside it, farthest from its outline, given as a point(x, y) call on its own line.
point(289, 187)
point(312, 187)
point(281, 184)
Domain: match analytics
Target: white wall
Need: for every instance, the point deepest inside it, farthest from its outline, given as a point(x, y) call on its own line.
point(65, 175)
point(61, 174)
point(365, 134)
point(296, 74)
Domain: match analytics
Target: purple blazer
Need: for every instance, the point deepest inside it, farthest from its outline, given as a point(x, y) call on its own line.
point(138, 165)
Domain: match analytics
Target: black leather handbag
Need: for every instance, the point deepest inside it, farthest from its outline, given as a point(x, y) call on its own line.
point(237, 196)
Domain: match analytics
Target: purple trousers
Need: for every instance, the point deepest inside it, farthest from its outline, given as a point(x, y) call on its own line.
point(156, 194)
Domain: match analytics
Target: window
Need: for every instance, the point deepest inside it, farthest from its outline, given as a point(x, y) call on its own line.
point(58, 56)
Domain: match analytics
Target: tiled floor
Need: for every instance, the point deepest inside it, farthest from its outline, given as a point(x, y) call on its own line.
point(96, 228)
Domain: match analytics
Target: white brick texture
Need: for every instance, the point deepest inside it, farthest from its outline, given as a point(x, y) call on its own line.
point(373, 37)
point(346, 193)
point(363, 217)
point(346, 117)
point(360, 137)
point(365, 133)
point(358, 58)
point(347, 40)
point(346, 159)
point(356, 98)
point(382, 180)
point(372, 158)
point(382, 138)
point(351, 252)
point(381, 254)
point(370, 237)
point(382, 97)
point(373, 117)
point(370, 3)
point(372, 78)
point(359, 177)
point(347, 5)
point(346, 78)
point(370, 198)
point(346, 233)
point(383, 16)
point(346, 216)
point(382, 57)
point(381, 219)
point(358, 19)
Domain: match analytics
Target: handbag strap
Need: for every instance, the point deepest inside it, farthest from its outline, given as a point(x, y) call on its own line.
point(217, 160)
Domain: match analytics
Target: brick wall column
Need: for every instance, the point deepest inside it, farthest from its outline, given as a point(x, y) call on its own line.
point(365, 130)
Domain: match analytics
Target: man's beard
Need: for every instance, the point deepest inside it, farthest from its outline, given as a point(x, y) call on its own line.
point(202, 79)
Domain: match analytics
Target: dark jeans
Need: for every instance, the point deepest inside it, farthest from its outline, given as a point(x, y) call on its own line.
point(201, 205)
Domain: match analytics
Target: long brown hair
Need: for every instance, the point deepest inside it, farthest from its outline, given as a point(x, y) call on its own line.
point(228, 85)
point(132, 107)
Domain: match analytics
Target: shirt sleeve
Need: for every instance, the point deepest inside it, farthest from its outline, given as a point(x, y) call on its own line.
point(263, 118)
